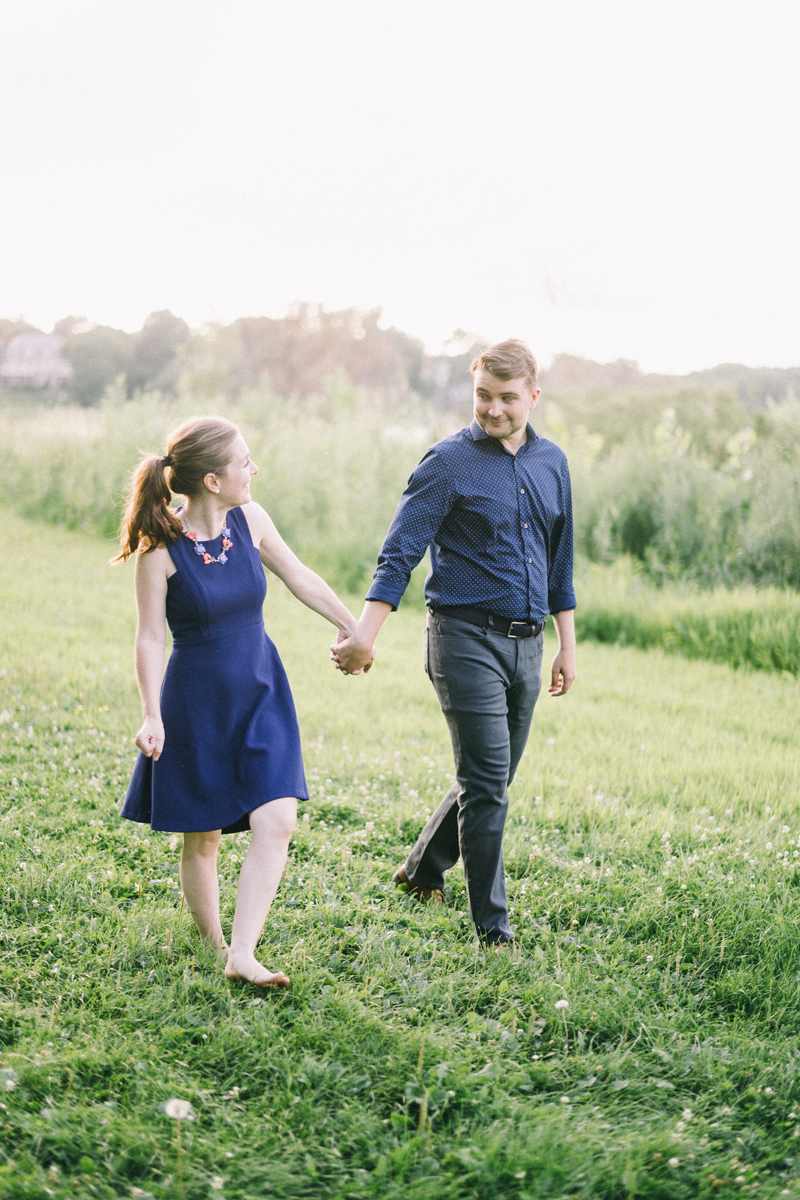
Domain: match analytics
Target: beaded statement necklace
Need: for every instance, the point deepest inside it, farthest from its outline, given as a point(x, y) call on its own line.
point(200, 549)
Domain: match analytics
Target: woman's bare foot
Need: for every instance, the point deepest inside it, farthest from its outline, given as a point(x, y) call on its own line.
point(250, 970)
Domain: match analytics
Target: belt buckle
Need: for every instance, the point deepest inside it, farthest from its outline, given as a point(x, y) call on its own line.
point(524, 625)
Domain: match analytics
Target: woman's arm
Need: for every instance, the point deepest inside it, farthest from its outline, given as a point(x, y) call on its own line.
point(301, 581)
point(151, 638)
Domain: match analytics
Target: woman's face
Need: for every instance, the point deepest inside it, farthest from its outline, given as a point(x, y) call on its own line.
point(234, 483)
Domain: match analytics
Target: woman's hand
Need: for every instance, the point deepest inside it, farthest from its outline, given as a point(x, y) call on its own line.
point(349, 657)
point(150, 738)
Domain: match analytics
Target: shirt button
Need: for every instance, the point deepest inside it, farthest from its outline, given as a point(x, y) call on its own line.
point(522, 491)
point(530, 560)
point(524, 524)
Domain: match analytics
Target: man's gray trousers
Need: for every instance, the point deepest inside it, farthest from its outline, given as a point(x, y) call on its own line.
point(487, 686)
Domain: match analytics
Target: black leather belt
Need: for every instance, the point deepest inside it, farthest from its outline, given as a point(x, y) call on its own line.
point(487, 620)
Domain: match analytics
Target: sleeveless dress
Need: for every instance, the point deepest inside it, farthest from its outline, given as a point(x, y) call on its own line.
point(231, 737)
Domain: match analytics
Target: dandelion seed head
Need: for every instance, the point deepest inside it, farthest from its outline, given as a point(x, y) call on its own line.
point(179, 1110)
point(562, 1003)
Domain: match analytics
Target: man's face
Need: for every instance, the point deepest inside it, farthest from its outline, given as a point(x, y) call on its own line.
point(502, 406)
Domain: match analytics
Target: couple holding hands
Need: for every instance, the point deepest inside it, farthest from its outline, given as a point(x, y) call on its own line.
point(220, 746)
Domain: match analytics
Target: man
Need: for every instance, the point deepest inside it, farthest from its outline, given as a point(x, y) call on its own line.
point(493, 503)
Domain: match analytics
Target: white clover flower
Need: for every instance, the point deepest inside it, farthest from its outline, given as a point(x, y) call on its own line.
point(649, 958)
point(179, 1110)
point(564, 1100)
point(739, 1179)
point(768, 1092)
point(785, 829)
point(216, 1182)
point(660, 891)
point(673, 1162)
point(562, 1003)
point(696, 912)
point(687, 1114)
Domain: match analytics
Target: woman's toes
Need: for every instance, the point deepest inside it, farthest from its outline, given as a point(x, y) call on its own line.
point(256, 974)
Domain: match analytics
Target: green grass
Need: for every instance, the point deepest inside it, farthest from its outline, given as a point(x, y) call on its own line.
point(744, 627)
point(651, 851)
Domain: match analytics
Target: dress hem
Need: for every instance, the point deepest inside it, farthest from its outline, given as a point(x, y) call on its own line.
point(234, 826)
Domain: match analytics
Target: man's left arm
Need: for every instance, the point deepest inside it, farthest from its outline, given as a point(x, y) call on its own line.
point(561, 594)
point(562, 670)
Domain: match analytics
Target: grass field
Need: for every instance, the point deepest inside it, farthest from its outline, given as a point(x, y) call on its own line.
point(652, 854)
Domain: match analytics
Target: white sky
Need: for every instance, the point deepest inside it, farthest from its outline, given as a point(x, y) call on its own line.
point(608, 177)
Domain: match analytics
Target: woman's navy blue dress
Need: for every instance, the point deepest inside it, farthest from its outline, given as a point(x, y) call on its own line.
point(231, 737)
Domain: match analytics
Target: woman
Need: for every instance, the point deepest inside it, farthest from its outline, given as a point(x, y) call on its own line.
point(220, 747)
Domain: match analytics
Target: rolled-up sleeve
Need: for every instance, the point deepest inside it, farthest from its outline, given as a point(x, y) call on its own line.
point(423, 506)
point(560, 590)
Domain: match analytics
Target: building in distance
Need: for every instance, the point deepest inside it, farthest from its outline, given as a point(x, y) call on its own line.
point(34, 360)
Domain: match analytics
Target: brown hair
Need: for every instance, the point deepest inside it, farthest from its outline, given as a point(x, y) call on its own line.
point(510, 359)
point(197, 448)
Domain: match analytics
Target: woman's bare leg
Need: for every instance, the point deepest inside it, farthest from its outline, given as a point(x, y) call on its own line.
point(200, 883)
point(261, 872)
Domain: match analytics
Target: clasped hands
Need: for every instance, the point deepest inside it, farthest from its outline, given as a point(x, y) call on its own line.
point(350, 655)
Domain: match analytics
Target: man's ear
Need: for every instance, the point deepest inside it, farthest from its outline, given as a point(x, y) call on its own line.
point(535, 394)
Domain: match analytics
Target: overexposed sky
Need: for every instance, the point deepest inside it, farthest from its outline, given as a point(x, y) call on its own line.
point(607, 177)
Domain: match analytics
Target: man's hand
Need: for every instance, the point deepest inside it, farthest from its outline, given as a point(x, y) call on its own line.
point(354, 652)
point(562, 673)
point(350, 655)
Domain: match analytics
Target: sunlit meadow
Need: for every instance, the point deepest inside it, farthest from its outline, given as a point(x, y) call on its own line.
point(640, 1041)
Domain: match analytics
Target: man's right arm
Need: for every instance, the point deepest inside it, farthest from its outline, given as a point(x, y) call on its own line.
point(425, 503)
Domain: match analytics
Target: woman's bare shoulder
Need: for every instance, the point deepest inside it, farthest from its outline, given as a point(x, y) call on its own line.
point(154, 563)
point(258, 520)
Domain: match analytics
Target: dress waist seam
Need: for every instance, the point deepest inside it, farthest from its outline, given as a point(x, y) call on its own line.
point(231, 631)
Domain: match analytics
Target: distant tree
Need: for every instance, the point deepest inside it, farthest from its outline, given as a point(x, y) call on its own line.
point(68, 326)
point(156, 359)
point(298, 353)
point(98, 357)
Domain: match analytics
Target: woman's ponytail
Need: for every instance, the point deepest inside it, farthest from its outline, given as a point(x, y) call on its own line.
point(148, 521)
point(195, 449)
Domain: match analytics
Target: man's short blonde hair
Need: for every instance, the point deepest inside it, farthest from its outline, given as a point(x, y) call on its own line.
point(510, 359)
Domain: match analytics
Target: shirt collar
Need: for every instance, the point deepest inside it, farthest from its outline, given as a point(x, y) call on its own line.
point(479, 435)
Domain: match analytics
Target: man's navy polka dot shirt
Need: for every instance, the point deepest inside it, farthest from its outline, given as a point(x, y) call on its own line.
point(499, 528)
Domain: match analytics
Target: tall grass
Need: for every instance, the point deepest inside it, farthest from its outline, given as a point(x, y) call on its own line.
point(679, 486)
point(331, 470)
point(747, 627)
point(692, 486)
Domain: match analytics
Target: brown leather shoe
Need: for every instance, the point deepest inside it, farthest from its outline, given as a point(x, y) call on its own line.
point(425, 895)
